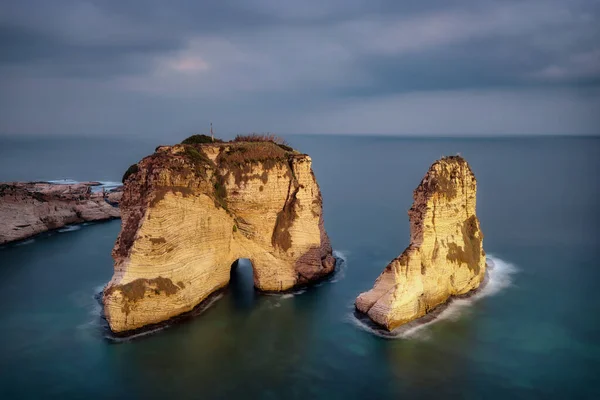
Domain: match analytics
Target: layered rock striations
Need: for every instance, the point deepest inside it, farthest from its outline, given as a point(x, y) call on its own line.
point(445, 256)
point(30, 208)
point(190, 211)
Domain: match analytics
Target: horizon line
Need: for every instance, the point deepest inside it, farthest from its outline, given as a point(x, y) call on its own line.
point(355, 134)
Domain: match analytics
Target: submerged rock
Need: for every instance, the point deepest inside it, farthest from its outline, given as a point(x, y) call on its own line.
point(30, 208)
point(445, 256)
point(190, 211)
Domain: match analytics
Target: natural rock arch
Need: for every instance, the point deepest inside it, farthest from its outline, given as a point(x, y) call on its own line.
point(190, 211)
point(241, 286)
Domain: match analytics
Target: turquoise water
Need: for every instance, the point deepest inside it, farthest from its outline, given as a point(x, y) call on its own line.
point(533, 335)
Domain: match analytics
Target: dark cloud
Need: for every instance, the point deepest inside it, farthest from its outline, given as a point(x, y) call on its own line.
point(116, 37)
point(291, 57)
point(47, 55)
point(479, 64)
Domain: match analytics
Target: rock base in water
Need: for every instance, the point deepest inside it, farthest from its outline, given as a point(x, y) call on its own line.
point(190, 211)
point(445, 256)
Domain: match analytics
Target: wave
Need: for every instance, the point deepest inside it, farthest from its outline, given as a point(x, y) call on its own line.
point(200, 309)
point(99, 323)
point(499, 277)
point(106, 185)
point(63, 181)
point(25, 243)
point(69, 228)
point(98, 290)
point(96, 324)
point(151, 331)
point(287, 294)
point(337, 275)
point(291, 294)
point(341, 264)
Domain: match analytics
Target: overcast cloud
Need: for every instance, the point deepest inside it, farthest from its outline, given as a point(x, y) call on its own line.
point(435, 67)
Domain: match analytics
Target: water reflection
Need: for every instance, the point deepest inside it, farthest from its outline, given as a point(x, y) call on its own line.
point(447, 369)
point(247, 341)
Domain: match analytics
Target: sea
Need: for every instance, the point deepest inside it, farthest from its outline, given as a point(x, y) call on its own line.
point(532, 332)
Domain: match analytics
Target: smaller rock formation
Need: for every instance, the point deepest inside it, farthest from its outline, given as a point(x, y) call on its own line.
point(445, 257)
point(29, 208)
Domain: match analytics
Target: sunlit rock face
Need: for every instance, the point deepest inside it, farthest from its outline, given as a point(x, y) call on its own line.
point(190, 211)
point(445, 256)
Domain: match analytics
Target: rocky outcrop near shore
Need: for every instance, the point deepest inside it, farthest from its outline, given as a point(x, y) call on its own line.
point(30, 208)
point(190, 211)
point(445, 256)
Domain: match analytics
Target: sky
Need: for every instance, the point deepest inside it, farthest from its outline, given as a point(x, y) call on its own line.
point(436, 67)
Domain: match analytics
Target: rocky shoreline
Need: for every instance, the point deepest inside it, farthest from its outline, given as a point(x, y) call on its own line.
point(30, 208)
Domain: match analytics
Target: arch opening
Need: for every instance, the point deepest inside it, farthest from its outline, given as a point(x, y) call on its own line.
point(241, 284)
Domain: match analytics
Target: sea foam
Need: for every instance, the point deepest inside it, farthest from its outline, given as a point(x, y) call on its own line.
point(98, 321)
point(25, 242)
point(499, 276)
point(63, 182)
point(69, 228)
point(341, 264)
point(337, 275)
point(106, 185)
point(108, 335)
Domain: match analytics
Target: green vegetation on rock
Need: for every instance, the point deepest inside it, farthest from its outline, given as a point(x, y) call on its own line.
point(220, 193)
point(200, 139)
point(197, 157)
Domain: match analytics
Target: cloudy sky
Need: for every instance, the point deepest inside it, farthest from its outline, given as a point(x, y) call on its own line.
point(438, 67)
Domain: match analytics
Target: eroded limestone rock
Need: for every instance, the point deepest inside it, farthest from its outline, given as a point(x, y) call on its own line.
point(190, 211)
point(30, 208)
point(445, 257)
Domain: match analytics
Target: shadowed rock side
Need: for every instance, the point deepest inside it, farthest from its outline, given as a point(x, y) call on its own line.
point(30, 208)
point(189, 211)
point(445, 257)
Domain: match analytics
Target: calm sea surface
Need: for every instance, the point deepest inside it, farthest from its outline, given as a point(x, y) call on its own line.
point(533, 333)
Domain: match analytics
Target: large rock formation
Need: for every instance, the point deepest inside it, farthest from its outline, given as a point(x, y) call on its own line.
point(29, 208)
point(445, 257)
point(190, 211)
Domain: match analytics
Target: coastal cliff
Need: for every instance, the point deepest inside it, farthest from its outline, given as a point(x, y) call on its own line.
point(189, 211)
point(30, 208)
point(445, 256)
